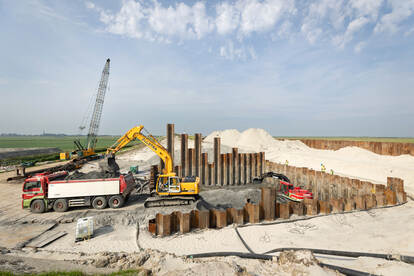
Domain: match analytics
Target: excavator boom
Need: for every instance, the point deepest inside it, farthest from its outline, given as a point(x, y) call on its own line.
point(170, 189)
point(149, 141)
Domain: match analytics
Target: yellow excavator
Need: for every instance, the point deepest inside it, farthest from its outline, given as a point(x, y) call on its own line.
point(169, 189)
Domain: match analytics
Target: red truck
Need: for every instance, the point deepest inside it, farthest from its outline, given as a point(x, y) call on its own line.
point(40, 193)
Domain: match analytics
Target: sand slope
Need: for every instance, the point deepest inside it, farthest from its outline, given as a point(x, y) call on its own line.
point(350, 161)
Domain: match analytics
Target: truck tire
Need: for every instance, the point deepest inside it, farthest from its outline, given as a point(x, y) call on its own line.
point(60, 205)
point(99, 202)
point(38, 206)
point(116, 201)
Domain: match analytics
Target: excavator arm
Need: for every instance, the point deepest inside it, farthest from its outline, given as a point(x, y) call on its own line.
point(149, 141)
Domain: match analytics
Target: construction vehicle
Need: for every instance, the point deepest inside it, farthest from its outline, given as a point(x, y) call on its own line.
point(169, 189)
point(40, 193)
point(286, 190)
point(88, 150)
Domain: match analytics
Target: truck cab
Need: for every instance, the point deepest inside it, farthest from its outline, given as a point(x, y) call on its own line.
point(35, 190)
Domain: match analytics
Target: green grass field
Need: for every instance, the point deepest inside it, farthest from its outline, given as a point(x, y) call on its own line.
point(369, 139)
point(65, 143)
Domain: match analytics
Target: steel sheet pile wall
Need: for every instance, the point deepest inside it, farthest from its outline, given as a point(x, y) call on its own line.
point(333, 193)
point(227, 168)
point(384, 148)
point(166, 224)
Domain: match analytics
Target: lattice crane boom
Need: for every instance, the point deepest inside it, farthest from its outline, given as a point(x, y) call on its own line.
point(97, 110)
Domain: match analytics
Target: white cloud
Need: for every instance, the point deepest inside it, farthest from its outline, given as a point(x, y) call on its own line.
point(89, 5)
point(360, 46)
point(353, 27)
point(258, 16)
point(285, 30)
point(128, 21)
point(367, 8)
point(228, 18)
point(231, 52)
point(401, 10)
point(311, 32)
point(318, 21)
point(409, 32)
point(320, 15)
point(183, 21)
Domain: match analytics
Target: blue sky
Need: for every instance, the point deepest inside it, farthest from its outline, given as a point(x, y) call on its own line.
point(292, 67)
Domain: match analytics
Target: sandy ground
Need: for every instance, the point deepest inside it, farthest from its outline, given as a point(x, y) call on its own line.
point(115, 246)
point(375, 231)
point(350, 161)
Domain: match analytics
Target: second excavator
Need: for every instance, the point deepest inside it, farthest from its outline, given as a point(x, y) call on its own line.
point(169, 188)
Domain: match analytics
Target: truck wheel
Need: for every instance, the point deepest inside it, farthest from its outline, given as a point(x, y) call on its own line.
point(116, 201)
point(38, 206)
point(99, 202)
point(60, 205)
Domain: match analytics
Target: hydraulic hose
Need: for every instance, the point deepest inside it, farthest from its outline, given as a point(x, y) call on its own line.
point(403, 258)
point(346, 271)
point(343, 270)
point(237, 254)
point(243, 241)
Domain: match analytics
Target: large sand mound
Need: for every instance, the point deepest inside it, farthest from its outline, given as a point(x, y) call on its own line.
point(350, 161)
point(227, 137)
point(253, 139)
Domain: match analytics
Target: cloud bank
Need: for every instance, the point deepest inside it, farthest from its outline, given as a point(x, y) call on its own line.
point(337, 22)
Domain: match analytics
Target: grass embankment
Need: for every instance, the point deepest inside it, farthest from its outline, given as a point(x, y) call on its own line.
point(347, 138)
point(78, 273)
point(65, 143)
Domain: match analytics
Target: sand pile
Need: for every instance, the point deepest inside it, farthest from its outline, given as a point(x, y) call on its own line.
point(353, 162)
point(253, 140)
point(228, 136)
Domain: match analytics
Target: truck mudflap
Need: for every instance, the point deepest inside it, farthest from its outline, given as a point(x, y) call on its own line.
point(169, 201)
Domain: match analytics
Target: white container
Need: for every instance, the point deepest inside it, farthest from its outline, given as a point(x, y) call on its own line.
point(80, 188)
point(84, 228)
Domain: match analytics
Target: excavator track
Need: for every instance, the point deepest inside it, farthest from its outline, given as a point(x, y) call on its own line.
point(169, 201)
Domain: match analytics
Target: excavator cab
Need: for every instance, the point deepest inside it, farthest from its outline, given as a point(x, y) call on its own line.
point(168, 184)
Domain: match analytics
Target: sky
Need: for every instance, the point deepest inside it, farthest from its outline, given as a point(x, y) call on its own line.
point(292, 67)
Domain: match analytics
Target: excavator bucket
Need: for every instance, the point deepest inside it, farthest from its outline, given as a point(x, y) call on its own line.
point(109, 165)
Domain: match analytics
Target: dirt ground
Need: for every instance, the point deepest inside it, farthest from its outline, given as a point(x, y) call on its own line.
point(115, 233)
point(122, 241)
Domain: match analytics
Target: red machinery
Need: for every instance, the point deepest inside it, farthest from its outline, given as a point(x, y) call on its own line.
point(286, 190)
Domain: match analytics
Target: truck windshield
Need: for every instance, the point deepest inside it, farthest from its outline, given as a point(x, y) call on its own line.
point(31, 185)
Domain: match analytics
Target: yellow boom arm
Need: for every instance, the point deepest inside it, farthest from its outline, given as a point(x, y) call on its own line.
point(150, 142)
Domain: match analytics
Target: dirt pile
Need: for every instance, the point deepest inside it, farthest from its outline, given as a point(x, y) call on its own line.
point(117, 260)
point(89, 175)
point(221, 199)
